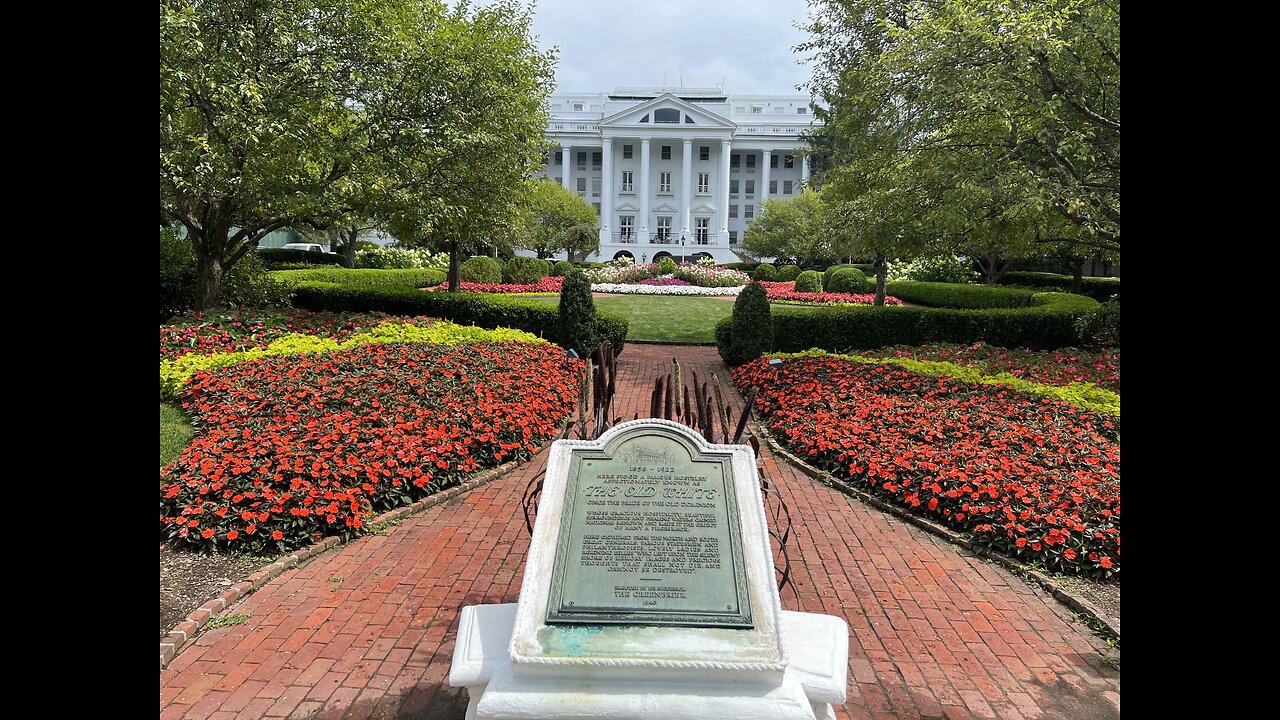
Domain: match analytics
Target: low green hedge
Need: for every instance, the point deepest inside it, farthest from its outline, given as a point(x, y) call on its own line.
point(1100, 289)
point(1048, 321)
point(486, 311)
point(310, 257)
point(746, 267)
point(959, 297)
point(367, 278)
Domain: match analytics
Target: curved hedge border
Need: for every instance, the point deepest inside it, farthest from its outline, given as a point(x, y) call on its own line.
point(486, 311)
point(418, 278)
point(1083, 395)
point(1020, 318)
point(1100, 289)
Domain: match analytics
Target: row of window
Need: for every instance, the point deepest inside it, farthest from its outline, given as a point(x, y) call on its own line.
point(704, 154)
point(759, 110)
point(628, 184)
point(668, 115)
point(701, 228)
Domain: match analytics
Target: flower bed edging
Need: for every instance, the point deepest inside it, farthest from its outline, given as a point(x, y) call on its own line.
point(1078, 604)
point(185, 631)
point(631, 289)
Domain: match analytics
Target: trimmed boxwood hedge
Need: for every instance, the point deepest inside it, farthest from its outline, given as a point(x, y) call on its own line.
point(310, 257)
point(1047, 321)
point(1100, 289)
point(960, 297)
point(369, 278)
point(746, 267)
point(486, 311)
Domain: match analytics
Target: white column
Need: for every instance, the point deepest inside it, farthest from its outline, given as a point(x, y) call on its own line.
point(686, 189)
point(643, 235)
point(764, 176)
point(725, 148)
point(606, 192)
point(566, 155)
point(804, 169)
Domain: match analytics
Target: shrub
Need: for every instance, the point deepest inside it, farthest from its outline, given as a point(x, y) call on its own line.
point(940, 269)
point(486, 311)
point(481, 269)
point(246, 283)
point(1100, 289)
point(666, 266)
point(765, 271)
point(710, 276)
point(578, 315)
point(826, 274)
point(369, 278)
point(561, 268)
point(397, 258)
point(809, 281)
point(310, 257)
point(1101, 327)
point(788, 273)
point(525, 270)
point(847, 279)
point(742, 266)
point(752, 326)
point(951, 295)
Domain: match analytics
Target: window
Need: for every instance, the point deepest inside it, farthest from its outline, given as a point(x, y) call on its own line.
point(735, 160)
point(733, 211)
point(773, 187)
point(579, 107)
point(802, 111)
point(597, 207)
point(664, 182)
point(626, 227)
point(628, 181)
point(773, 161)
point(595, 187)
point(757, 109)
point(749, 211)
point(666, 152)
point(559, 157)
point(582, 184)
point(788, 161)
point(688, 120)
point(733, 237)
point(704, 183)
point(704, 153)
point(627, 152)
point(786, 187)
point(733, 188)
point(582, 160)
point(751, 189)
point(595, 160)
point(702, 231)
point(644, 119)
point(551, 159)
point(664, 228)
point(751, 162)
point(779, 110)
point(666, 115)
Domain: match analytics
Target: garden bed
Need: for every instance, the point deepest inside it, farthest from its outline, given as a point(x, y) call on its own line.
point(785, 293)
point(1055, 367)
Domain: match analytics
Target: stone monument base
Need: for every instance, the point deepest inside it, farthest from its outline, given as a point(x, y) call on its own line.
point(813, 679)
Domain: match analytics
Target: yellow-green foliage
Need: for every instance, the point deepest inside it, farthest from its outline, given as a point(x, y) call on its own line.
point(175, 373)
point(1080, 394)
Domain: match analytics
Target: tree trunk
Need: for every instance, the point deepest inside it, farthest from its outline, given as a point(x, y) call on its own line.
point(1077, 274)
point(208, 276)
point(455, 267)
point(349, 247)
point(882, 276)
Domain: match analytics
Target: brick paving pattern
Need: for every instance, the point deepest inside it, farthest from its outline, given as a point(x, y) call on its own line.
point(367, 630)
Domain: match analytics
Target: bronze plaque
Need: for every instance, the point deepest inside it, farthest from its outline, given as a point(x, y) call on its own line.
point(650, 535)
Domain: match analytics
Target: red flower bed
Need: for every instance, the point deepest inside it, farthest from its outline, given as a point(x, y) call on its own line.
point(1057, 367)
point(1027, 476)
point(549, 284)
point(243, 329)
point(786, 292)
point(289, 449)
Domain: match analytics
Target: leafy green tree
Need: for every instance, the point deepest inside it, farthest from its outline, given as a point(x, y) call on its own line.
point(579, 241)
point(789, 228)
point(876, 225)
point(551, 210)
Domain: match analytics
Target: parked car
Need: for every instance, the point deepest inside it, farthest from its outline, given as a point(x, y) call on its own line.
point(308, 247)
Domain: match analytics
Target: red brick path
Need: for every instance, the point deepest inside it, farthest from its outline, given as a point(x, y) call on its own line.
point(367, 630)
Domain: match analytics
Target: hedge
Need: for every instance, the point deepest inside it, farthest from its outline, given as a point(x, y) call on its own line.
point(1100, 289)
point(366, 278)
point(310, 257)
point(847, 279)
point(746, 267)
point(788, 273)
point(486, 311)
point(522, 270)
point(482, 269)
point(1048, 322)
point(809, 281)
point(976, 297)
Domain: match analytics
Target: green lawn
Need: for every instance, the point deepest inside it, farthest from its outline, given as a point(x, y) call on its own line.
point(665, 318)
point(175, 433)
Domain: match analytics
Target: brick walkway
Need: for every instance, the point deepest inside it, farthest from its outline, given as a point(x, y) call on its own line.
point(367, 630)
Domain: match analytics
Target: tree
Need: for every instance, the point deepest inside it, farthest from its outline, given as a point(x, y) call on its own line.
point(789, 228)
point(994, 116)
point(578, 241)
point(552, 209)
point(879, 225)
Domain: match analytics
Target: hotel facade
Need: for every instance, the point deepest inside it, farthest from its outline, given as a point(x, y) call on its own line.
point(677, 172)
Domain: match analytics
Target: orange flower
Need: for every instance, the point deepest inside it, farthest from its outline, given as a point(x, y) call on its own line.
point(277, 535)
point(233, 534)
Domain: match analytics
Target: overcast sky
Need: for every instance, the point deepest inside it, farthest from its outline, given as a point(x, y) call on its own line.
point(606, 43)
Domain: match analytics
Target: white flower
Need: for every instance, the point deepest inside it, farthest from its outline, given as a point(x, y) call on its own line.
point(663, 289)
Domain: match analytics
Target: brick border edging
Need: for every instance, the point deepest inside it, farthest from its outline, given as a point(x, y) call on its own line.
point(1078, 604)
point(185, 631)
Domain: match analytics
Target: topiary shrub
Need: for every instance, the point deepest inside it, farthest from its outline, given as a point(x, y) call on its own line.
point(752, 326)
point(1101, 327)
point(666, 266)
point(847, 280)
point(561, 268)
point(578, 314)
point(826, 275)
point(765, 272)
point(788, 273)
point(481, 269)
point(525, 270)
point(808, 281)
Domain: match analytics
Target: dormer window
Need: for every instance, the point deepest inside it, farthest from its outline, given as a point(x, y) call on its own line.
point(666, 115)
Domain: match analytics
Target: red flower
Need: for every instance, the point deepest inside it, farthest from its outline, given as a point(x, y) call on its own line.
point(277, 535)
point(233, 534)
point(207, 534)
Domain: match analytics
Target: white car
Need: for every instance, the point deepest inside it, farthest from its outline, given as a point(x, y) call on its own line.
point(309, 247)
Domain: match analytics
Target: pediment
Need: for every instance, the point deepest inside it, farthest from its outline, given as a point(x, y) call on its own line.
point(702, 208)
point(626, 207)
point(690, 115)
point(665, 207)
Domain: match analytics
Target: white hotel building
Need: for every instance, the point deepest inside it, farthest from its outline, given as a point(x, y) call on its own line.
point(677, 172)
